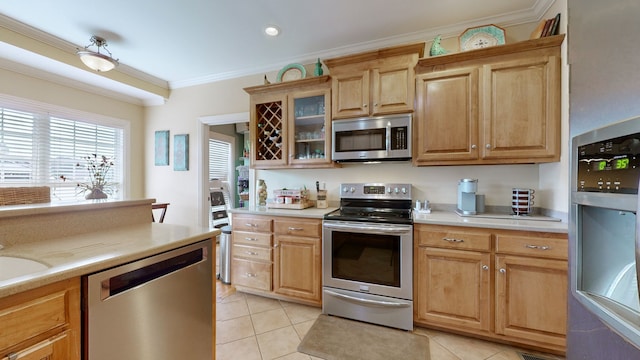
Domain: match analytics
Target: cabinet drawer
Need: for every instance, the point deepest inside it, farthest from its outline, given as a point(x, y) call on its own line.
point(251, 274)
point(33, 318)
point(251, 238)
point(454, 238)
point(544, 245)
point(251, 223)
point(251, 252)
point(310, 228)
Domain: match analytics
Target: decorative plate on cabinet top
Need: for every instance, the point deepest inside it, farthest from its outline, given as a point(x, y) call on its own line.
point(292, 72)
point(481, 37)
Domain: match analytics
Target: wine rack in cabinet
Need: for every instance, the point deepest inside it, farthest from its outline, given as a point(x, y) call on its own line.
point(269, 131)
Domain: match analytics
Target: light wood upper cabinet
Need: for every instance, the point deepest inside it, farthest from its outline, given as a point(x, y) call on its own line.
point(352, 94)
point(374, 83)
point(489, 106)
point(449, 99)
point(290, 124)
point(521, 109)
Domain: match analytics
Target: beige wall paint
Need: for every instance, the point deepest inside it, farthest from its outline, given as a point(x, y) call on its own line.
point(180, 115)
point(60, 96)
point(554, 177)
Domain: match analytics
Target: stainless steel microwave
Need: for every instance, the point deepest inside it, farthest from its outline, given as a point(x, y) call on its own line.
point(372, 138)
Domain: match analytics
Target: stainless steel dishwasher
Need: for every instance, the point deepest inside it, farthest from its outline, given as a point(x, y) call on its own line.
point(155, 308)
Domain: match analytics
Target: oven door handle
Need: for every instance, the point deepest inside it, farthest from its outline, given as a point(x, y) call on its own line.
point(368, 301)
point(391, 229)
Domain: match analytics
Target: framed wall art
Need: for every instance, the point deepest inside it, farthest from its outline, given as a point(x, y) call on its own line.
point(181, 152)
point(161, 153)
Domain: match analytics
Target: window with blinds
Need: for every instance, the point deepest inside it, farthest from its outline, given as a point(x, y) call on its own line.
point(219, 158)
point(36, 149)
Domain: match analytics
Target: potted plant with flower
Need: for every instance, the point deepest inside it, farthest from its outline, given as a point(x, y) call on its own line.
point(97, 187)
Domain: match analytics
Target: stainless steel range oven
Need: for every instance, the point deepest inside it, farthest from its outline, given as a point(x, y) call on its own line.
point(367, 255)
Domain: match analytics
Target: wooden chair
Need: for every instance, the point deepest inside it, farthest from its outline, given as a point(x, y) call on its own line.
point(162, 206)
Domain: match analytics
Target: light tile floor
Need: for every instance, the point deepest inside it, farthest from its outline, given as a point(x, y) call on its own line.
point(252, 327)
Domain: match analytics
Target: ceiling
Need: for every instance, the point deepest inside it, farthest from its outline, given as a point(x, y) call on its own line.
point(169, 44)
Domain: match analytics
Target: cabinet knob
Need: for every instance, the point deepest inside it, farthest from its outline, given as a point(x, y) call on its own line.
point(485, 267)
point(488, 146)
point(364, 105)
point(474, 146)
point(276, 245)
point(375, 104)
point(503, 271)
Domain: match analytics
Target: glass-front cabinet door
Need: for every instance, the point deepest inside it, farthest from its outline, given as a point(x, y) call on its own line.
point(309, 128)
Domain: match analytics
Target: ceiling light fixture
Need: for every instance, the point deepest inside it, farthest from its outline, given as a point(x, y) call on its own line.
point(272, 30)
point(96, 60)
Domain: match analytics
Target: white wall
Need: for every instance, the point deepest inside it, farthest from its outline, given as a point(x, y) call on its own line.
point(438, 184)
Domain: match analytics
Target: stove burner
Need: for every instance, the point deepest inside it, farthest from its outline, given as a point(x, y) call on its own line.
point(377, 202)
point(399, 215)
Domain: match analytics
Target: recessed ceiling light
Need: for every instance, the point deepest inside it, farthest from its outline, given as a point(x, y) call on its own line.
point(272, 30)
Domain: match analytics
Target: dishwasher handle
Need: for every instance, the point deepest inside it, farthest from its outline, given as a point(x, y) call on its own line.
point(138, 277)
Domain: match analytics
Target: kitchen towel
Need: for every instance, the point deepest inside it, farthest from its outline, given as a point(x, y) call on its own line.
point(335, 338)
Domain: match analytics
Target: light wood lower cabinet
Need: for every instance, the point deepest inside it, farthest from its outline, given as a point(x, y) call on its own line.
point(531, 299)
point(509, 286)
point(457, 286)
point(280, 257)
point(43, 323)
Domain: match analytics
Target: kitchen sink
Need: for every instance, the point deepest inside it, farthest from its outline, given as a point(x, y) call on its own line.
point(11, 267)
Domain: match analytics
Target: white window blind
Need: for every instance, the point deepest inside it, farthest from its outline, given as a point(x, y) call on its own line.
point(36, 149)
point(219, 157)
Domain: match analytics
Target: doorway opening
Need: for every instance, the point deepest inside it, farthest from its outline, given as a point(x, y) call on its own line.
point(207, 124)
point(221, 178)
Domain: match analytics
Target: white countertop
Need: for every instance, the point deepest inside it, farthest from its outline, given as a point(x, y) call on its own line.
point(311, 212)
point(83, 254)
point(504, 223)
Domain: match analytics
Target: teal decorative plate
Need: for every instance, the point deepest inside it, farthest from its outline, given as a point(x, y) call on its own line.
point(481, 37)
point(291, 72)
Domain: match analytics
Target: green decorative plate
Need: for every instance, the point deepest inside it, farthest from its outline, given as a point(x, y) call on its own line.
point(291, 72)
point(481, 37)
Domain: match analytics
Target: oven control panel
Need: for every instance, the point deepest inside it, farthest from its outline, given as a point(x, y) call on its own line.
point(611, 165)
point(395, 191)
